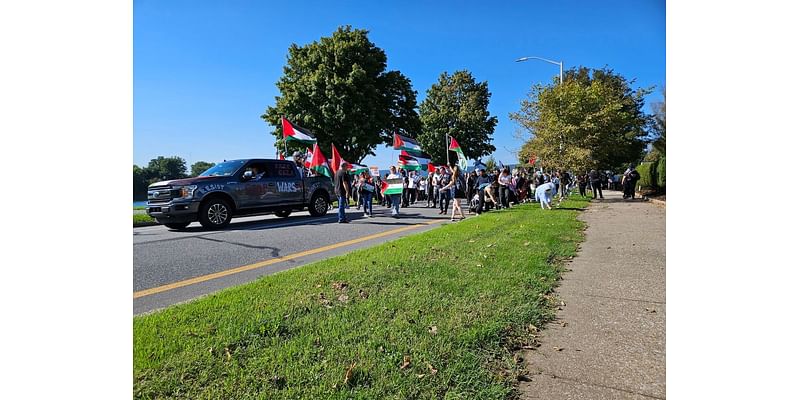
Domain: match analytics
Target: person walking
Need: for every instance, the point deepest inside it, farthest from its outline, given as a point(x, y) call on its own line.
point(395, 198)
point(481, 183)
point(504, 181)
point(444, 195)
point(342, 188)
point(456, 190)
point(366, 190)
point(582, 181)
point(596, 180)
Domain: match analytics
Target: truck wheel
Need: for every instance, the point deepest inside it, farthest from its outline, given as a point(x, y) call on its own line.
point(318, 205)
point(177, 226)
point(215, 214)
point(283, 213)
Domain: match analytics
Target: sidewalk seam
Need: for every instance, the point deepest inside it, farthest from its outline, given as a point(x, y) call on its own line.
point(603, 386)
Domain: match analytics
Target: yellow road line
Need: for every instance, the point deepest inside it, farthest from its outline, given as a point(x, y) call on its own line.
point(271, 261)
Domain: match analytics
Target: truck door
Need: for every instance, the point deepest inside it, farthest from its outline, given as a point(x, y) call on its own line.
point(288, 183)
point(257, 191)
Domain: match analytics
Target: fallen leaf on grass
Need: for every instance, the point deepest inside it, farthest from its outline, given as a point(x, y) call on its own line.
point(472, 241)
point(558, 348)
point(406, 362)
point(490, 245)
point(526, 243)
point(339, 285)
point(433, 370)
point(343, 298)
point(362, 294)
point(479, 265)
point(433, 330)
point(319, 286)
point(349, 373)
point(533, 328)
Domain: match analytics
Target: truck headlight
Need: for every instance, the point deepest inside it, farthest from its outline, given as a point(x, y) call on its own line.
point(187, 192)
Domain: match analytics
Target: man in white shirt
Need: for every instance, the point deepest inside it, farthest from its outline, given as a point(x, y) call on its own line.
point(394, 197)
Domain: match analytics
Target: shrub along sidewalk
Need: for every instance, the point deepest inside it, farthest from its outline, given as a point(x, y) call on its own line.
point(439, 314)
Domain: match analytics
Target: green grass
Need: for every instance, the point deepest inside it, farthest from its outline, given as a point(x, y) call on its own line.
point(481, 283)
point(142, 218)
point(139, 207)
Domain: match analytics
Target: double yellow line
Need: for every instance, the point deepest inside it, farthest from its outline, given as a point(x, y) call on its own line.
point(275, 260)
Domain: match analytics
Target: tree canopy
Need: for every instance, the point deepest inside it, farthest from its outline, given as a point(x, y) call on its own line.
point(457, 106)
point(200, 167)
point(339, 89)
point(593, 120)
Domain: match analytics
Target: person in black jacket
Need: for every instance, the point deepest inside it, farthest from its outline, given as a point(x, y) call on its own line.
point(596, 179)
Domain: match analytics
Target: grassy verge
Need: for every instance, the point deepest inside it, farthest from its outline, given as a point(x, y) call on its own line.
point(142, 219)
point(434, 315)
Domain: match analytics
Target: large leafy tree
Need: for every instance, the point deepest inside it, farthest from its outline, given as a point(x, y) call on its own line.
point(593, 120)
point(200, 167)
point(165, 168)
point(339, 89)
point(660, 124)
point(457, 106)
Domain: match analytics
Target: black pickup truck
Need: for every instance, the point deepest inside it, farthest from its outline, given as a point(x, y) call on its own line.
point(237, 188)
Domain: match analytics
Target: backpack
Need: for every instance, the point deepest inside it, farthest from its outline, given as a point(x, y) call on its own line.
point(635, 175)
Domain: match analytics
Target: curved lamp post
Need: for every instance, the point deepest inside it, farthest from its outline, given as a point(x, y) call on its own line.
point(559, 63)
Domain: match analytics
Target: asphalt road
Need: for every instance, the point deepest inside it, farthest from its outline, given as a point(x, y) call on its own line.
point(170, 267)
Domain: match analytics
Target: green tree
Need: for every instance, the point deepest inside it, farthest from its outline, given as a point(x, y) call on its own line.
point(339, 89)
point(140, 182)
point(457, 106)
point(165, 168)
point(200, 167)
point(593, 120)
point(491, 164)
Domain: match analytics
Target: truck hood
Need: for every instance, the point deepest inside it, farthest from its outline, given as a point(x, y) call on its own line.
point(185, 181)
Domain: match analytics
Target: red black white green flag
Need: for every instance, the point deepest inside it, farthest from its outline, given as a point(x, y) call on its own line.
point(392, 186)
point(410, 145)
point(462, 160)
point(319, 163)
point(296, 133)
point(408, 163)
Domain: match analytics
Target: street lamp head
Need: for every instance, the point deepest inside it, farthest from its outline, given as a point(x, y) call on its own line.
point(522, 59)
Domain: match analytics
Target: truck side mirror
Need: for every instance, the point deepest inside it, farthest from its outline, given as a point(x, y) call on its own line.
point(248, 175)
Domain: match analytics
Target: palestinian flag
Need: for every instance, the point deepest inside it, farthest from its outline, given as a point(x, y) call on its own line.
point(358, 168)
point(281, 157)
point(408, 163)
point(319, 163)
point(431, 168)
point(309, 156)
point(296, 133)
point(462, 160)
point(336, 159)
point(410, 145)
point(392, 186)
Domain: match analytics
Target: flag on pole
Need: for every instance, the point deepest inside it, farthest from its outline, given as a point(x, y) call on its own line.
point(392, 186)
point(410, 145)
point(431, 168)
point(462, 160)
point(408, 163)
point(294, 132)
point(309, 156)
point(336, 160)
point(281, 157)
point(319, 163)
point(356, 169)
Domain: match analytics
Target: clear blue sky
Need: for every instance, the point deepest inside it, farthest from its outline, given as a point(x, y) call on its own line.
point(205, 71)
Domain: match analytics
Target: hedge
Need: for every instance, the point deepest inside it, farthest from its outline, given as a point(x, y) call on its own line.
point(647, 172)
point(661, 173)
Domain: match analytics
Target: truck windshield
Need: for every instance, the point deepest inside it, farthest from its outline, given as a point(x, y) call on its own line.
point(224, 169)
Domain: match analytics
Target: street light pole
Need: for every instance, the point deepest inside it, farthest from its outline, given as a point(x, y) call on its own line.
point(560, 82)
point(559, 63)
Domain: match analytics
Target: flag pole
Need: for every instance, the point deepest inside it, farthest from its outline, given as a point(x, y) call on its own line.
point(447, 148)
point(285, 149)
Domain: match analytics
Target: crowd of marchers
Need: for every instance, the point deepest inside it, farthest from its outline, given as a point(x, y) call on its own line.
point(481, 190)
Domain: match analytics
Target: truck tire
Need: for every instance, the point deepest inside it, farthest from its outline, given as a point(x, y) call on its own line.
point(177, 226)
point(318, 206)
point(215, 214)
point(283, 213)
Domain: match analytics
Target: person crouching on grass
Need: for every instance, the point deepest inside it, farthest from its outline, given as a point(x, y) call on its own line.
point(545, 194)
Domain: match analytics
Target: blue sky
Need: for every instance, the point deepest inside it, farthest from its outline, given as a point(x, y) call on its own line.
point(205, 71)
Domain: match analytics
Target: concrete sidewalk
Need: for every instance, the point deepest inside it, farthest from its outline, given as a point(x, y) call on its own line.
point(608, 341)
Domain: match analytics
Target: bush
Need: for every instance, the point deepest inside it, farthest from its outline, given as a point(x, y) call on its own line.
point(647, 172)
point(661, 173)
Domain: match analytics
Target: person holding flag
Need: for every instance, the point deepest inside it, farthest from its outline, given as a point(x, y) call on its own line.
point(462, 160)
point(341, 183)
point(393, 187)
